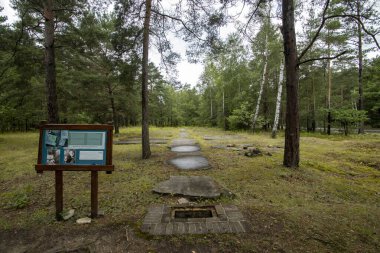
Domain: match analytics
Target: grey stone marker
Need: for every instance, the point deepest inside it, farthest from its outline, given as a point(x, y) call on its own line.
point(183, 142)
point(192, 186)
point(191, 162)
point(185, 148)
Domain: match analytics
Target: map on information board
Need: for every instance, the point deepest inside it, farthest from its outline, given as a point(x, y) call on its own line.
point(81, 147)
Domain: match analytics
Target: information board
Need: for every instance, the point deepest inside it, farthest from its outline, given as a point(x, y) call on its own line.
point(75, 147)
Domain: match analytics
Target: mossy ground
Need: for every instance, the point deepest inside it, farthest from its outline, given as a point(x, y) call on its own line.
point(331, 203)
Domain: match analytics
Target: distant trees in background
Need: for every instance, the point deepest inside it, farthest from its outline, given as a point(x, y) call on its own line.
point(98, 72)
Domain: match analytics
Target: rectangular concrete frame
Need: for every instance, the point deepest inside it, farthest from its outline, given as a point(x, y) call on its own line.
point(159, 221)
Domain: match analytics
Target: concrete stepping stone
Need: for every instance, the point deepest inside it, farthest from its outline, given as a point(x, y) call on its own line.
point(191, 162)
point(185, 148)
point(183, 142)
point(190, 186)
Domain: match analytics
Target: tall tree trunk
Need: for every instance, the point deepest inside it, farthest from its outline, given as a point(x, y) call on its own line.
point(329, 75)
point(224, 112)
point(278, 101)
point(115, 119)
point(255, 116)
point(360, 69)
point(292, 133)
point(144, 90)
point(50, 78)
point(313, 121)
point(211, 112)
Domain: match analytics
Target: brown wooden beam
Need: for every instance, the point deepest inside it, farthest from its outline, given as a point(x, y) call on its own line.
point(58, 194)
point(94, 194)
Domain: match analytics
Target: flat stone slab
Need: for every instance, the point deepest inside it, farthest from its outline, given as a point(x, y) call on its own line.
point(160, 220)
point(190, 186)
point(191, 162)
point(221, 137)
point(186, 148)
point(138, 141)
point(183, 142)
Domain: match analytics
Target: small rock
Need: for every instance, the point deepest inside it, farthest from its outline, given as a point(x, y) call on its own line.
point(183, 201)
point(85, 220)
point(218, 147)
point(254, 151)
point(69, 214)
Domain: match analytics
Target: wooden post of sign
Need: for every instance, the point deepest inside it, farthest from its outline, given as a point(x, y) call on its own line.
point(58, 194)
point(94, 194)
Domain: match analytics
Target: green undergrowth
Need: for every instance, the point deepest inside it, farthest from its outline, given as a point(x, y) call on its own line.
point(331, 203)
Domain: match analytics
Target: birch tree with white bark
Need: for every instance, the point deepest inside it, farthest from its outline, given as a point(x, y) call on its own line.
point(278, 101)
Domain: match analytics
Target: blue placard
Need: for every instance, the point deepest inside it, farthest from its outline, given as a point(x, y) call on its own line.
point(74, 147)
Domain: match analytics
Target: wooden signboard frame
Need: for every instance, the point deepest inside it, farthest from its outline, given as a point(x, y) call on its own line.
point(42, 166)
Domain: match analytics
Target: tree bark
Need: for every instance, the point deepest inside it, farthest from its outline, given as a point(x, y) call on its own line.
point(211, 112)
point(360, 69)
point(224, 112)
point(144, 91)
point(313, 121)
point(278, 101)
point(329, 75)
point(115, 119)
point(291, 152)
point(50, 75)
point(255, 116)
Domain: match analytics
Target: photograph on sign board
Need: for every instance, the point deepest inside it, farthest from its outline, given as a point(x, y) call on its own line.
point(52, 137)
point(53, 155)
point(57, 138)
point(64, 138)
point(69, 156)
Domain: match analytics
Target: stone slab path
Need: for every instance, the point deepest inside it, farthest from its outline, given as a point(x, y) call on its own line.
point(185, 149)
point(163, 219)
point(189, 186)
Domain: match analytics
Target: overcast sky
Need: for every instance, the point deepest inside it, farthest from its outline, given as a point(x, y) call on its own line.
point(187, 72)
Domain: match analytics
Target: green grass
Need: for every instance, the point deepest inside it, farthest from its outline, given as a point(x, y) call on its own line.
point(331, 203)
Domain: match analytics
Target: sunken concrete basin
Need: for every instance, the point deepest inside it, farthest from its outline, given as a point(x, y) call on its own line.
point(172, 220)
point(191, 162)
point(185, 148)
point(191, 186)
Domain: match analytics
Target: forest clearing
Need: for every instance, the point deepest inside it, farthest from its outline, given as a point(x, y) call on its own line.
point(189, 126)
point(329, 204)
